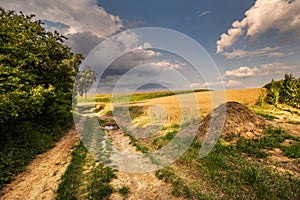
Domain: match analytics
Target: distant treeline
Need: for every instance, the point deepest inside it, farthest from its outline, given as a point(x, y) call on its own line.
point(286, 91)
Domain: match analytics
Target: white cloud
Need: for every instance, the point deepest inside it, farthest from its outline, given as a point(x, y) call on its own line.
point(204, 13)
point(281, 15)
point(80, 16)
point(227, 40)
point(218, 84)
point(241, 72)
point(232, 83)
point(274, 68)
point(167, 65)
point(266, 51)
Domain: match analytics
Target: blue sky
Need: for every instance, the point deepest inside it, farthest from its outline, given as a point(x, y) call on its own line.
point(249, 41)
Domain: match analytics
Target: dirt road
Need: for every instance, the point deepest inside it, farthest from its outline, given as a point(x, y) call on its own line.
point(141, 185)
point(41, 178)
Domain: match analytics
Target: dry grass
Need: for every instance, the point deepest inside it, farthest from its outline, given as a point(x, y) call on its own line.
point(183, 107)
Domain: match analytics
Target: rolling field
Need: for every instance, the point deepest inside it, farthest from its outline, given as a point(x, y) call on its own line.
point(174, 108)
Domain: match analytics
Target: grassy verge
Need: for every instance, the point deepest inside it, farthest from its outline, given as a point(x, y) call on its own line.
point(273, 139)
point(20, 143)
point(85, 178)
point(234, 172)
point(235, 175)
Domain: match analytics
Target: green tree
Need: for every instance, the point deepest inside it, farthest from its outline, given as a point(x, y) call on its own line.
point(36, 80)
point(261, 97)
point(85, 80)
point(274, 93)
point(290, 90)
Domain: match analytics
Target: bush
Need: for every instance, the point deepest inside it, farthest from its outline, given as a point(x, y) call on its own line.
point(286, 91)
point(36, 83)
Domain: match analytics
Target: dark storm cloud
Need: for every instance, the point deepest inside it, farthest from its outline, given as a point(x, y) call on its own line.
point(83, 42)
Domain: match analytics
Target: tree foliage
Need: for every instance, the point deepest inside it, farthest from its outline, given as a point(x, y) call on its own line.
point(36, 84)
point(35, 79)
point(286, 91)
point(84, 80)
point(274, 93)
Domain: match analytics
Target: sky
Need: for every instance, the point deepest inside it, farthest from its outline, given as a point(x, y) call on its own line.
point(176, 44)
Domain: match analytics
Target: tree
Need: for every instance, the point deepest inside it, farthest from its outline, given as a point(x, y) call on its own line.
point(290, 90)
point(36, 80)
point(85, 80)
point(274, 93)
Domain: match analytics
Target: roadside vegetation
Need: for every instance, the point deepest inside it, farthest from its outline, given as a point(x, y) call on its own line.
point(286, 91)
point(232, 171)
point(36, 81)
point(228, 172)
point(86, 178)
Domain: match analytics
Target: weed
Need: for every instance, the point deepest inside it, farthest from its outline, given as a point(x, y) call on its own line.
point(265, 115)
point(71, 180)
point(124, 191)
point(250, 174)
point(179, 187)
point(250, 147)
point(99, 187)
point(19, 148)
point(273, 139)
point(76, 183)
point(292, 151)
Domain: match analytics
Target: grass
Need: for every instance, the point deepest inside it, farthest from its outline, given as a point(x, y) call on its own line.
point(152, 95)
point(138, 96)
point(71, 180)
point(179, 188)
point(138, 145)
point(169, 134)
point(229, 172)
point(238, 177)
point(264, 114)
point(273, 139)
point(80, 183)
point(124, 191)
point(20, 143)
point(292, 151)
point(232, 172)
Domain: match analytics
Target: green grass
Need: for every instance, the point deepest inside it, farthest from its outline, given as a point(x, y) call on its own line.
point(140, 147)
point(72, 179)
point(292, 151)
point(133, 141)
point(180, 188)
point(78, 183)
point(170, 132)
point(20, 143)
point(238, 177)
point(273, 139)
point(152, 95)
point(99, 179)
point(265, 115)
point(124, 191)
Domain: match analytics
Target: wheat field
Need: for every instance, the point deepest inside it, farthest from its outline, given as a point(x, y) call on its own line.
point(183, 107)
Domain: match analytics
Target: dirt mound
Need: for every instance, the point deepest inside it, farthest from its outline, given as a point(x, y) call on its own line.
point(237, 119)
